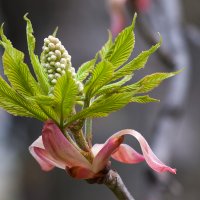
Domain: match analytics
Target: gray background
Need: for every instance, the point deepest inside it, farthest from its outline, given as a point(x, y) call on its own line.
point(82, 29)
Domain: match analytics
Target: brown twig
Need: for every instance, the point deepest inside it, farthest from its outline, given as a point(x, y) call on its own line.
point(114, 182)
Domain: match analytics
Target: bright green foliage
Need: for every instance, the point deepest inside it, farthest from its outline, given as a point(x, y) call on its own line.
point(105, 49)
point(123, 46)
point(104, 105)
point(100, 76)
point(148, 83)
point(38, 69)
point(143, 99)
point(85, 69)
point(65, 95)
point(136, 64)
point(110, 88)
point(16, 70)
point(44, 100)
point(105, 81)
point(17, 105)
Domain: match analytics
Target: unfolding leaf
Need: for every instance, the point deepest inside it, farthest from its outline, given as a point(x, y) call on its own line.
point(44, 100)
point(16, 70)
point(104, 50)
point(17, 105)
point(136, 64)
point(38, 69)
point(122, 47)
point(100, 76)
point(50, 112)
point(148, 83)
point(104, 106)
point(65, 92)
point(85, 69)
point(113, 86)
point(143, 99)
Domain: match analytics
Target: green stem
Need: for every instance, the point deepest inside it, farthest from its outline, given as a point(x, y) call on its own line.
point(88, 125)
point(72, 142)
point(80, 140)
point(88, 131)
point(82, 143)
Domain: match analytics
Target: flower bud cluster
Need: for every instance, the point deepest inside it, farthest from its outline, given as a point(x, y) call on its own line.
point(56, 61)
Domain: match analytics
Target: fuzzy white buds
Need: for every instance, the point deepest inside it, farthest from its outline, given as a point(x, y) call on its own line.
point(56, 61)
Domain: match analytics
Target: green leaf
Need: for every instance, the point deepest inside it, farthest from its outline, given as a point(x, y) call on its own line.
point(16, 104)
point(122, 47)
point(104, 50)
point(104, 106)
point(50, 112)
point(136, 64)
point(148, 83)
point(110, 88)
point(143, 99)
point(65, 92)
point(16, 70)
point(100, 76)
point(3, 37)
point(38, 69)
point(85, 69)
point(44, 100)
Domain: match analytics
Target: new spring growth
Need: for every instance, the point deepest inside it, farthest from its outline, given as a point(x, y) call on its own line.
point(56, 61)
point(107, 89)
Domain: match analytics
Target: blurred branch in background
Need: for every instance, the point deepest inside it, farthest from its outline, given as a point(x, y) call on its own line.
point(164, 17)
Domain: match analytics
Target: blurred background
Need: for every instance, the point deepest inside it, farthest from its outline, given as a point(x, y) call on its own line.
point(171, 126)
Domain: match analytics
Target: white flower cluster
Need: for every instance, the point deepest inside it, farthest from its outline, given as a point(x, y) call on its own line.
point(56, 61)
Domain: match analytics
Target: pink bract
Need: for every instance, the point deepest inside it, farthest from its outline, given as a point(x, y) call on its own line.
point(52, 149)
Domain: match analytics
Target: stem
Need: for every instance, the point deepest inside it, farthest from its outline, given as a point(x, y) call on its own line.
point(88, 125)
point(80, 140)
point(88, 131)
point(114, 182)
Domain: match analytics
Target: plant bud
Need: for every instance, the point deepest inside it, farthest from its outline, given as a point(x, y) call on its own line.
point(57, 64)
point(57, 75)
point(54, 81)
point(58, 69)
point(58, 53)
point(55, 60)
point(50, 76)
point(51, 46)
point(62, 66)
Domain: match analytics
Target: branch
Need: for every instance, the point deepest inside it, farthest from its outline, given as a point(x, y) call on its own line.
point(114, 182)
